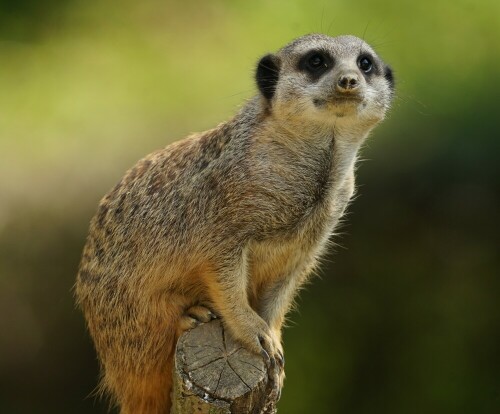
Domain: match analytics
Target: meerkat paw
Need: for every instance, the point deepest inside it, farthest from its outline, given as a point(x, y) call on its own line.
point(255, 334)
point(272, 352)
point(194, 316)
point(277, 371)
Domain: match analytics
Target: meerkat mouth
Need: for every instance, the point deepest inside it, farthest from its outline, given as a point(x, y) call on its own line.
point(339, 101)
point(347, 100)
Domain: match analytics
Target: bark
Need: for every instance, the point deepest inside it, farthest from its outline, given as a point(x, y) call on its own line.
point(214, 374)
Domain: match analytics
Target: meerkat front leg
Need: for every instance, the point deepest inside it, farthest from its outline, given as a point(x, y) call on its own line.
point(274, 303)
point(227, 290)
point(277, 299)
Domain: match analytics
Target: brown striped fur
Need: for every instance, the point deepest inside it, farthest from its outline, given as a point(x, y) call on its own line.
point(234, 218)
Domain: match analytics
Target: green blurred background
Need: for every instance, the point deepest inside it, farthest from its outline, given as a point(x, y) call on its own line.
point(406, 316)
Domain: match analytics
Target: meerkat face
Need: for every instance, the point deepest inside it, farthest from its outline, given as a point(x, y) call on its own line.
point(327, 79)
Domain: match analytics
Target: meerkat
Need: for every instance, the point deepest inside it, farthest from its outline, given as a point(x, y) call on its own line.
point(229, 222)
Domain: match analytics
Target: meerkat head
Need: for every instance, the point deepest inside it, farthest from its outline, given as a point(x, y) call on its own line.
point(326, 79)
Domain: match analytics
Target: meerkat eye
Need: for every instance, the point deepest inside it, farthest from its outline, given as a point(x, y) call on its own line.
point(365, 64)
point(315, 64)
point(316, 61)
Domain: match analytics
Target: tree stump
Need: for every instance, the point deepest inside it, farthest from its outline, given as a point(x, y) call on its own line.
point(214, 374)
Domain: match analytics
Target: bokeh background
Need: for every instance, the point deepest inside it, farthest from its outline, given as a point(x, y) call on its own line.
point(405, 317)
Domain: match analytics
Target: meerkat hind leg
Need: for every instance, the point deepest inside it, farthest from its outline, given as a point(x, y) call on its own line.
point(148, 395)
point(194, 316)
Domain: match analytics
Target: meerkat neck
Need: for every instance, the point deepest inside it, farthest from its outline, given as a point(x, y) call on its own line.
point(339, 137)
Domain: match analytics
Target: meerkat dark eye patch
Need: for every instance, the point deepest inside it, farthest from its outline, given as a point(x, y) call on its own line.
point(315, 63)
point(267, 75)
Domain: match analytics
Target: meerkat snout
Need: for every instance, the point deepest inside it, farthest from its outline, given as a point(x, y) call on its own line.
point(347, 82)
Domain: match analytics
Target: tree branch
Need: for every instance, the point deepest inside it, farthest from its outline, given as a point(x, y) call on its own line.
point(214, 374)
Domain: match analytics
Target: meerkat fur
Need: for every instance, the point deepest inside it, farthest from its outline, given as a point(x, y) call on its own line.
point(231, 221)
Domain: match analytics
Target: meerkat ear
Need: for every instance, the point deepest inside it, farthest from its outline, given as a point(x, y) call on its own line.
point(268, 71)
point(389, 76)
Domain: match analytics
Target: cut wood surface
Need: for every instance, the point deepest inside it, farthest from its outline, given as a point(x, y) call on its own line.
point(214, 374)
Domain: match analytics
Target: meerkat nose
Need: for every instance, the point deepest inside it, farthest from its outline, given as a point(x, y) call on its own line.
point(347, 82)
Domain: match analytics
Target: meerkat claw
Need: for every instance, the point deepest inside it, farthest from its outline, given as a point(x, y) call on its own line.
point(281, 359)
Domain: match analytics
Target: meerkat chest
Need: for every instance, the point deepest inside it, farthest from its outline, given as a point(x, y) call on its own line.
point(317, 185)
point(289, 252)
point(306, 193)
